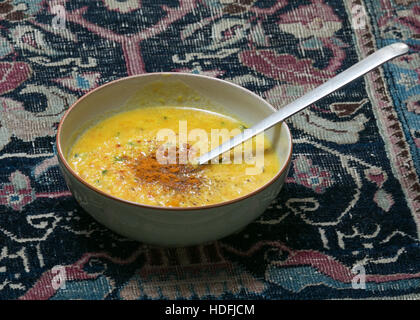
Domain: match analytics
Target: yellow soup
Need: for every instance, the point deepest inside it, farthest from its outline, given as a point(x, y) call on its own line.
point(118, 156)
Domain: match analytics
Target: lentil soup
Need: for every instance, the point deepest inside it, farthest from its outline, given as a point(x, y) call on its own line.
point(118, 156)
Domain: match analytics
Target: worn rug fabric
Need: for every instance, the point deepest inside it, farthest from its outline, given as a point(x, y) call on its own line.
point(345, 226)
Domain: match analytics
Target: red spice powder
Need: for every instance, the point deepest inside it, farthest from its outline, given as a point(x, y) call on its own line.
point(178, 177)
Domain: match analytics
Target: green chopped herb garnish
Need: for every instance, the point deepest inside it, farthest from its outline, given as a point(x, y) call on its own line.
point(104, 171)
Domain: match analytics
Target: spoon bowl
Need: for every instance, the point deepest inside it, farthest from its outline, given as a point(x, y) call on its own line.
point(171, 226)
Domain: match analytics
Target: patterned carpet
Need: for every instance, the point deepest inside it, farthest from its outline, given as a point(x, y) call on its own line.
point(352, 199)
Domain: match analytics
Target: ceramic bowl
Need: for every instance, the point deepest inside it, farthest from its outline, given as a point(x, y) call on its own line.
point(167, 226)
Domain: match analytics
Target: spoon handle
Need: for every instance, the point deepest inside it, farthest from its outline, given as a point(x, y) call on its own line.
point(357, 70)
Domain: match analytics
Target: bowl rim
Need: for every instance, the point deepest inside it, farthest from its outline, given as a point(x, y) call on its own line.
point(63, 160)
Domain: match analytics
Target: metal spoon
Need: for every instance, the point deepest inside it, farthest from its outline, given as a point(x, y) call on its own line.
point(359, 69)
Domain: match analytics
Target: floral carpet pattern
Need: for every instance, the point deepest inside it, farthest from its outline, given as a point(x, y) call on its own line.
point(352, 198)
